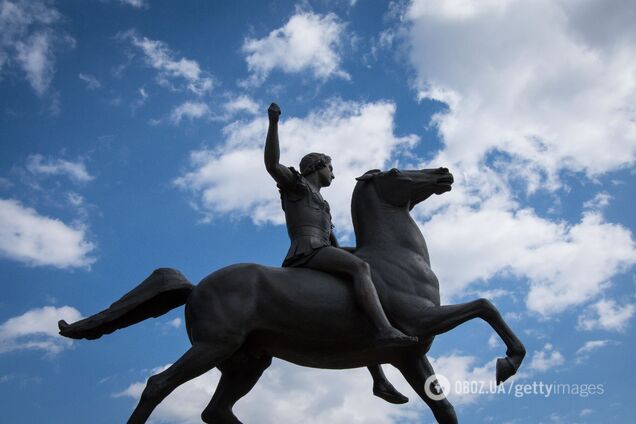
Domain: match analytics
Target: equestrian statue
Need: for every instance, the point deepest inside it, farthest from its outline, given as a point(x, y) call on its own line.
point(327, 307)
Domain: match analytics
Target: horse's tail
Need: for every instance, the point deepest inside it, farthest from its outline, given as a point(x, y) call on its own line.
point(164, 290)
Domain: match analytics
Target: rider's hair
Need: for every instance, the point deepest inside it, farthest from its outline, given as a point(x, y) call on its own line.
point(313, 162)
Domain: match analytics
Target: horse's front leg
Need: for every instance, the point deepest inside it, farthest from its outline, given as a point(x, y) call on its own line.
point(440, 319)
point(416, 370)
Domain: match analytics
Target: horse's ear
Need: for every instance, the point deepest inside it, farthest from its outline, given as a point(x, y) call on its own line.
point(368, 175)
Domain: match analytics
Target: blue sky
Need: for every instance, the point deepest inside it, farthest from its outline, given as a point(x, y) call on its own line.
point(132, 134)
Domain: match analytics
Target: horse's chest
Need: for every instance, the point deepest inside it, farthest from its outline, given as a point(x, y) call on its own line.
point(411, 273)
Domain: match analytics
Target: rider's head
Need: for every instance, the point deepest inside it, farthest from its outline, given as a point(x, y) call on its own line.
point(317, 162)
point(313, 162)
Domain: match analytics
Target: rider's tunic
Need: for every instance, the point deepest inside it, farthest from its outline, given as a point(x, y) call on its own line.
point(308, 220)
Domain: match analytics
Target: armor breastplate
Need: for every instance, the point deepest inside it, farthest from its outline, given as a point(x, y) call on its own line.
point(306, 213)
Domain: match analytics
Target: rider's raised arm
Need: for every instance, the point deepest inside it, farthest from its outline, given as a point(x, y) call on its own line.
point(280, 173)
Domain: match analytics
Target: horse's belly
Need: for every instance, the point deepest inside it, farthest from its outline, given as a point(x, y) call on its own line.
point(325, 353)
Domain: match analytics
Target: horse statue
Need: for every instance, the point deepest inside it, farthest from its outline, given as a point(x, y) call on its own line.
point(241, 316)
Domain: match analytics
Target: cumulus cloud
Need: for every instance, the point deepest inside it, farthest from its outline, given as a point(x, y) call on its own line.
point(552, 95)
point(546, 359)
point(565, 264)
point(76, 171)
point(606, 314)
point(29, 39)
point(554, 92)
point(231, 179)
point(160, 57)
point(37, 330)
point(190, 111)
point(308, 42)
point(287, 393)
point(29, 237)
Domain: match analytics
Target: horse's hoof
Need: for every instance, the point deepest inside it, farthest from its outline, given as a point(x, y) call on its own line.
point(505, 369)
point(391, 396)
point(64, 328)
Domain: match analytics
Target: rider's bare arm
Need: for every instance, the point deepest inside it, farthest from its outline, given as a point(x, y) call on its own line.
point(280, 173)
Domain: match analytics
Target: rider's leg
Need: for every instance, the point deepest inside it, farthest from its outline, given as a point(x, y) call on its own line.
point(334, 260)
point(383, 389)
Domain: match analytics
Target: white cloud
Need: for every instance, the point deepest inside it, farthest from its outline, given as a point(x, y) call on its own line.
point(28, 39)
point(565, 264)
point(556, 91)
point(34, 239)
point(189, 110)
point(232, 179)
point(175, 323)
point(35, 55)
point(590, 346)
point(606, 314)
point(92, 83)
point(306, 43)
point(290, 394)
point(159, 56)
point(599, 202)
point(76, 171)
point(546, 359)
point(242, 103)
point(37, 330)
point(461, 368)
point(552, 94)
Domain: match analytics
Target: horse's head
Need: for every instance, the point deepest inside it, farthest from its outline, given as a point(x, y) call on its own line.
point(408, 188)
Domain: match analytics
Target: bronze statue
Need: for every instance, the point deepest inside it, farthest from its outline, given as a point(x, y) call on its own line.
point(241, 316)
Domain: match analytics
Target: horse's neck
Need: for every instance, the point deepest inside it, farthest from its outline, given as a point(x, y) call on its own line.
point(380, 226)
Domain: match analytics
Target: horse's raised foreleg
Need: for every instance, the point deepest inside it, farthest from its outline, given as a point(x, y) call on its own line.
point(239, 374)
point(200, 358)
point(440, 319)
point(416, 371)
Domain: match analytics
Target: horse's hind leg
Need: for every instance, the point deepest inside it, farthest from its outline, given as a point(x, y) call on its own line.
point(239, 374)
point(200, 358)
point(416, 371)
point(440, 319)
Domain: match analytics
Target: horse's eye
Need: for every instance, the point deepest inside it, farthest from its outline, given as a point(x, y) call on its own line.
point(394, 172)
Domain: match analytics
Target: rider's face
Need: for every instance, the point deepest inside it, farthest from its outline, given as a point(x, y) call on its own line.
point(326, 175)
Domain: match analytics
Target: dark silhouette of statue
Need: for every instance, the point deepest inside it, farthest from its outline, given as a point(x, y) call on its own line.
point(241, 316)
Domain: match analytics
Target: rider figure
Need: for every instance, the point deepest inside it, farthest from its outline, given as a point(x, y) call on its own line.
point(313, 244)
